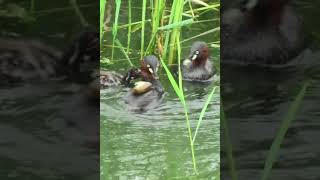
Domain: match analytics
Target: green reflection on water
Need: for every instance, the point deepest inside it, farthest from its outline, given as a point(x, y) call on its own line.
point(155, 145)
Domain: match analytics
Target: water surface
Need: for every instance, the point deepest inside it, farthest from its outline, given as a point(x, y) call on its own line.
point(155, 144)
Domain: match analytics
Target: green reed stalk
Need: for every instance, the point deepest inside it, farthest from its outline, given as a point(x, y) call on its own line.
point(123, 51)
point(154, 25)
point(150, 45)
point(32, 6)
point(202, 34)
point(152, 6)
point(115, 26)
point(286, 123)
point(157, 13)
point(129, 28)
point(63, 9)
point(211, 7)
point(179, 65)
point(167, 28)
point(191, 9)
point(178, 88)
point(228, 145)
point(177, 18)
point(155, 20)
point(167, 34)
point(177, 25)
point(143, 18)
point(185, 106)
point(103, 4)
point(203, 111)
point(179, 93)
point(78, 12)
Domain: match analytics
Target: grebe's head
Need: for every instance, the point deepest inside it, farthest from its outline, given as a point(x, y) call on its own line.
point(82, 55)
point(149, 68)
point(252, 15)
point(199, 53)
point(149, 71)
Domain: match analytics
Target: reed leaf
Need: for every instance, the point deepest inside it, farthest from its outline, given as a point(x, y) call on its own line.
point(32, 7)
point(123, 51)
point(286, 123)
point(177, 17)
point(177, 25)
point(103, 4)
point(129, 28)
point(202, 34)
point(228, 145)
point(76, 8)
point(143, 18)
point(115, 25)
point(203, 111)
point(179, 93)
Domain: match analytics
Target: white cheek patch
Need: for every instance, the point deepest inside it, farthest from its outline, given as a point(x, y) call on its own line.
point(194, 57)
point(150, 70)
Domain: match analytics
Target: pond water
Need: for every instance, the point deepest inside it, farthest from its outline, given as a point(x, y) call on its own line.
point(255, 112)
point(155, 144)
point(36, 140)
point(256, 100)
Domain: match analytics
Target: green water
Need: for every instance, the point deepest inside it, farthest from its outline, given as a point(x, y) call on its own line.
point(36, 142)
point(256, 100)
point(155, 144)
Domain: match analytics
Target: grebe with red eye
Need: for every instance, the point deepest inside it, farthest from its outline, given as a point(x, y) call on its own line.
point(23, 60)
point(198, 66)
point(262, 32)
point(147, 93)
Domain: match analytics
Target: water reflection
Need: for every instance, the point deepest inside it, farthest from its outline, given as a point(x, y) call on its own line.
point(155, 144)
point(36, 137)
point(256, 101)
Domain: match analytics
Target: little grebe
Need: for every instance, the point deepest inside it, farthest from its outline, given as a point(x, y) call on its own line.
point(198, 66)
point(261, 32)
point(147, 93)
point(31, 60)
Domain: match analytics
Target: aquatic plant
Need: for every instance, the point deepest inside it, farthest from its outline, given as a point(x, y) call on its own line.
point(103, 5)
point(166, 20)
point(285, 125)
